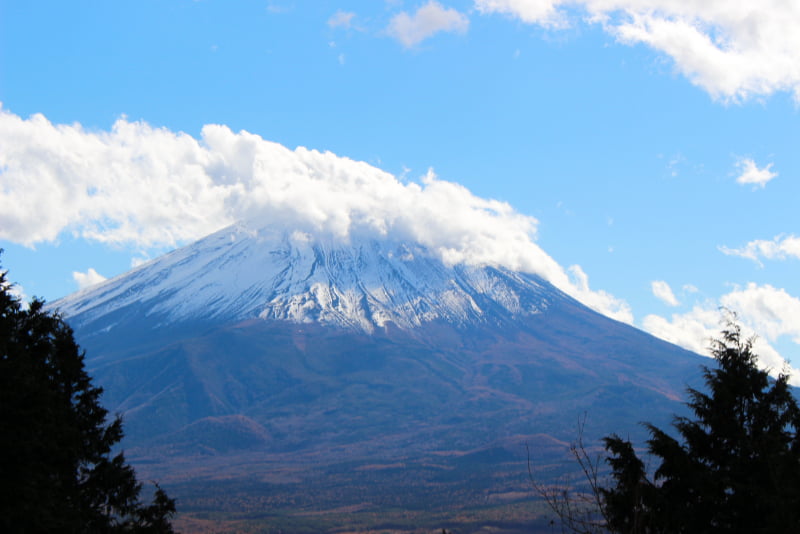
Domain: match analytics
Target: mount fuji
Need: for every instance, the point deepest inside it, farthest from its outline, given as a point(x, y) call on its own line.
point(312, 374)
point(239, 274)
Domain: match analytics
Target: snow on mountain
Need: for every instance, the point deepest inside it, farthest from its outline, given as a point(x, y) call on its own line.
point(242, 273)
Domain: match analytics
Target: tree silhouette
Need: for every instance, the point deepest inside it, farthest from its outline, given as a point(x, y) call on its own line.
point(736, 467)
point(57, 471)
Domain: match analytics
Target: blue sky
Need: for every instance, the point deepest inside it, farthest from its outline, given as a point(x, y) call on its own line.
point(651, 143)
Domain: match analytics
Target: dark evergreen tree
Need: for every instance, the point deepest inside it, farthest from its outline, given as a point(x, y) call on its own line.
point(737, 466)
point(57, 470)
point(626, 506)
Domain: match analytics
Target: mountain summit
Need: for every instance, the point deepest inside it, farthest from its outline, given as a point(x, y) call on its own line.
point(253, 365)
point(239, 273)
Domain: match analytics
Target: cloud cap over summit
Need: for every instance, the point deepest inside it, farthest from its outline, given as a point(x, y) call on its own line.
point(138, 184)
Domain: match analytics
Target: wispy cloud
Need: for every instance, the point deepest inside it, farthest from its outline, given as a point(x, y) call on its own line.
point(341, 19)
point(279, 8)
point(430, 19)
point(542, 12)
point(597, 299)
point(780, 248)
point(749, 173)
point(733, 49)
point(151, 187)
point(664, 293)
point(87, 279)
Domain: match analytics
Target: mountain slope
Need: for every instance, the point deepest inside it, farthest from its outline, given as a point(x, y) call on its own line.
point(278, 359)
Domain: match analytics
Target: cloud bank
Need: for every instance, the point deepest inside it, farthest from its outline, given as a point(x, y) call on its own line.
point(429, 20)
point(769, 312)
point(150, 187)
point(733, 49)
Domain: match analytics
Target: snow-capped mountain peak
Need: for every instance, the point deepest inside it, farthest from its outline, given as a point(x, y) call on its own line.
point(240, 273)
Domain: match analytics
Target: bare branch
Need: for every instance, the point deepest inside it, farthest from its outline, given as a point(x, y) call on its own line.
point(578, 512)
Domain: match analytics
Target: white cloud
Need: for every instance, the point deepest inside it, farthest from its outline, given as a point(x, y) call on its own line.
point(733, 49)
point(151, 187)
point(139, 260)
point(275, 8)
point(664, 293)
point(764, 310)
point(542, 12)
point(751, 174)
point(134, 183)
point(18, 292)
point(12, 288)
point(341, 19)
point(599, 300)
point(772, 312)
point(693, 330)
point(87, 279)
point(429, 20)
point(780, 248)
